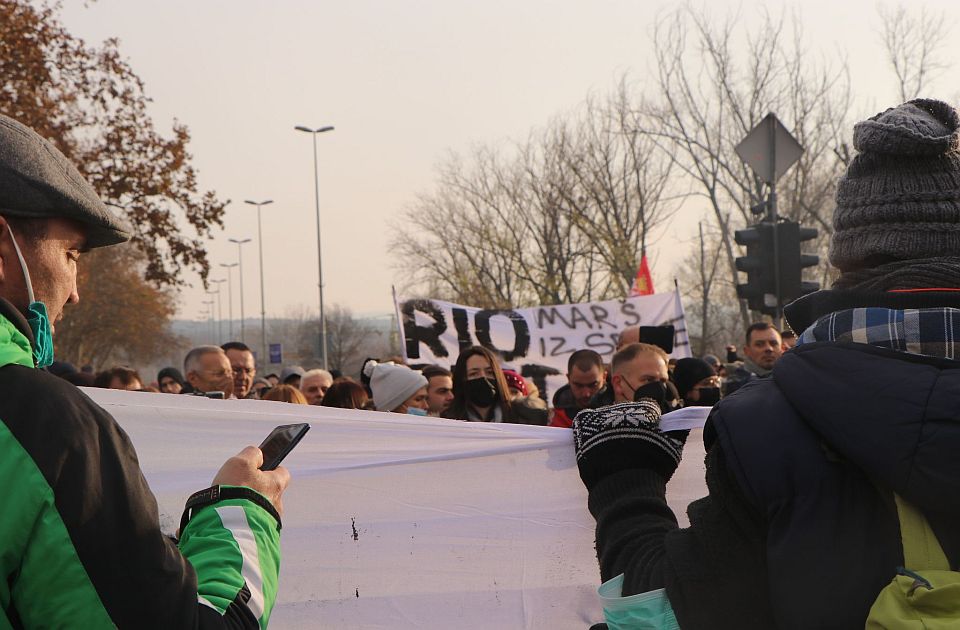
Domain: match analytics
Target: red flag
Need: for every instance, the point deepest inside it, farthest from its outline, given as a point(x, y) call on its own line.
point(643, 283)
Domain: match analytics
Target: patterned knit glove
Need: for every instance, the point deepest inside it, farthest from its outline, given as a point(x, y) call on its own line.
point(622, 437)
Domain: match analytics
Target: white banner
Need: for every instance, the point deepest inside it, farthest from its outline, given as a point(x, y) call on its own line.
point(537, 341)
point(393, 521)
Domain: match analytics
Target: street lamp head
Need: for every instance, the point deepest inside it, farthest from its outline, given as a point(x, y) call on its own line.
point(314, 131)
point(259, 203)
point(239, 241)
point(228, 266)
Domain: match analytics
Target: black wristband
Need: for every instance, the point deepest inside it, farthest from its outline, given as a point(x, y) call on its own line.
point(215, 494)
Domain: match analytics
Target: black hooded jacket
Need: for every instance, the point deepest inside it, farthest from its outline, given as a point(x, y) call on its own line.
point(800, 529)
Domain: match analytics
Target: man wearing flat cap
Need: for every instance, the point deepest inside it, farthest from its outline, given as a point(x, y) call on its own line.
point(837, 477)
point(80, 543)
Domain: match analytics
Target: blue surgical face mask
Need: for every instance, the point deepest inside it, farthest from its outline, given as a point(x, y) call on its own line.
point(643, 611)
point(416, 411)
point(36, 316)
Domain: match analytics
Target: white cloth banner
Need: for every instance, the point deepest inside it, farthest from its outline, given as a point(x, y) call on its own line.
point(393, 521)
point(537, 341)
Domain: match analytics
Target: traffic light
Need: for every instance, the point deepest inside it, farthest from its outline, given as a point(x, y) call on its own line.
point(760, 288)
point(792, 262)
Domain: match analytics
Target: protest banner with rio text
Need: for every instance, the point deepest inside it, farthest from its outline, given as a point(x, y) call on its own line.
point(536, 341)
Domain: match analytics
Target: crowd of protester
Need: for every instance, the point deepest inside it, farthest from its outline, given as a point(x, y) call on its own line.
point(478, 388)
point(830, 467)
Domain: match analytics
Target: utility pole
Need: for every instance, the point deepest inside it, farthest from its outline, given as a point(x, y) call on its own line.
point(316, 187)
point(229, 268)
point(240, 243)
point(263, 302)
point(219, 284)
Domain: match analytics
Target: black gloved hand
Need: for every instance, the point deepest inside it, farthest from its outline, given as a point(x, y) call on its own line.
point(625, 436)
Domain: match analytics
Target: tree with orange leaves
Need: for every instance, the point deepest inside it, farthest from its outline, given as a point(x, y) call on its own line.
point(92, 105)
point(89, 102)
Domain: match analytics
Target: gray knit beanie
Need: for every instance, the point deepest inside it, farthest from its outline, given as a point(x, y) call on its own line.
point(900, 196)
point(392, 384)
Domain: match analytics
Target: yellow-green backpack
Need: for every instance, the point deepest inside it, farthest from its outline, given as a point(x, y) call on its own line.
point(925, 593)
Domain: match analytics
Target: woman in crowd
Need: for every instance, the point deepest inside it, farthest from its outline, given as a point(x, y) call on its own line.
point(397, 388)
point(346, 394)
point(481, 393)
point(285, 393)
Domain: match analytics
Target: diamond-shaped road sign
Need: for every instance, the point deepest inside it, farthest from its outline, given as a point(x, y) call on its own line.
point(769, 149)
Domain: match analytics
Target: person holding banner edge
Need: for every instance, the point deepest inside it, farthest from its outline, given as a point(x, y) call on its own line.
point(826, 476)
point(80, 542)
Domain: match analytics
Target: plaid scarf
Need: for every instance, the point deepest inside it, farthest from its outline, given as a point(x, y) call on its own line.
point(931, 332)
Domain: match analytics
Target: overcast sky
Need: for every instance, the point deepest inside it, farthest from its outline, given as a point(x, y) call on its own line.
point(403, 82)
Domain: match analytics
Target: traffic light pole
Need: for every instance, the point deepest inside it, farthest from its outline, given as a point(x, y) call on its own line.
point(759, 150)
point(774, 219)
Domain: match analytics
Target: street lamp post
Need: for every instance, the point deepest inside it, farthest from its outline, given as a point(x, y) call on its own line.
point(229, 268)
point(209, 304)
point(263, 307)
point(219, 312)
point(205, 316)
point(316, 190)
point(240, 243)
point(219, 284)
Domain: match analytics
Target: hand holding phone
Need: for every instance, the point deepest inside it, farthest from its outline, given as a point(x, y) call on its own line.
point(243, 469)
point(257, 468)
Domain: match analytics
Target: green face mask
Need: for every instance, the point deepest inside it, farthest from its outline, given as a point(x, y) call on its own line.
point(36, 316)
point(42, 335)
point(643, 611)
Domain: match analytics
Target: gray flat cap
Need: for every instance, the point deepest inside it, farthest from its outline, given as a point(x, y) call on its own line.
point(37, 181)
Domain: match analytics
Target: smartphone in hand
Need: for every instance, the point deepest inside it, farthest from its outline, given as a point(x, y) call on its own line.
point(280, 442)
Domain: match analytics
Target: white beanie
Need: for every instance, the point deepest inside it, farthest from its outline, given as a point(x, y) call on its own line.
point(392, 384)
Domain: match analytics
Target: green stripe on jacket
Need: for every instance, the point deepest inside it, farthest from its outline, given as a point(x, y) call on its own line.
point(14, 346)
point(234, 544)
point(52, 588)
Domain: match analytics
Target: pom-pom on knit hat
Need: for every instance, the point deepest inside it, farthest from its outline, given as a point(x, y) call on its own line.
point(900, 196)
point(392, 384)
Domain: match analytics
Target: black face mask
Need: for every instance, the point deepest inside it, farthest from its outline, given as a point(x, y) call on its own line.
point(482, 392)
point(709, 396)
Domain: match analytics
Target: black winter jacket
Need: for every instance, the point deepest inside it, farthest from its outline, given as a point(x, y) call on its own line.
point(799, 529)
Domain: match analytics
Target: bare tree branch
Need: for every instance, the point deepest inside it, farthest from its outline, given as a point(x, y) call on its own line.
point(914, 45)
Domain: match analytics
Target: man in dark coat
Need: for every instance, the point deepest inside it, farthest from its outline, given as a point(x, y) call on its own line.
point(800, 528)
point(585, 379)
point(762, 350)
